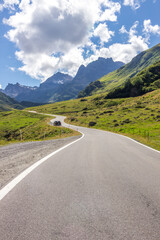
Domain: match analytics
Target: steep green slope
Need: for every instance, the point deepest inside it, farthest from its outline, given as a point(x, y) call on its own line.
point(118, 77)
point(7, 103)
point(145, 81)
point(137, 117)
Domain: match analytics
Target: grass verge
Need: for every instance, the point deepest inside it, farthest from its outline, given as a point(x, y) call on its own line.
point(21, 126)
point(138, 118)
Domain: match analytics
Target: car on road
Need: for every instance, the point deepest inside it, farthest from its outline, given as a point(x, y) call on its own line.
point(57, 123)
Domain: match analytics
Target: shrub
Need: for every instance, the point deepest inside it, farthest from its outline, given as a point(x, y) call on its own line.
point(91, 124)
point(73, 119)
point(126, 121)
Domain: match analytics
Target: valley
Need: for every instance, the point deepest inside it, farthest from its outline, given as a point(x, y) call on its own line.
point(125, 101)
point(80, 120)
point(60, 86)
point(138, 118)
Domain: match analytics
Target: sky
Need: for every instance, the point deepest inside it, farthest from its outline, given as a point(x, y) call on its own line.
point(41, 37)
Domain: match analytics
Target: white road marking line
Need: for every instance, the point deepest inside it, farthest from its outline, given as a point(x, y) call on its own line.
point(134, 141)
point(141, 144)
point(4, 191)
point(110, 132)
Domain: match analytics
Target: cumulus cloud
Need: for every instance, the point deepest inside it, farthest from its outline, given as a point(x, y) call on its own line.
point(122, 51)
point(135, 45)
point(149, 28)
point(103, 32)
point(47, 29)
point(0, 86)
point(135, 4)
point(37, 65)
point(57, 35)
point(49, 34)
point(110, 11)
point(10, 4)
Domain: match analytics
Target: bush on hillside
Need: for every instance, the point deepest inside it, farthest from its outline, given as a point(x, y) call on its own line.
point(146, 81)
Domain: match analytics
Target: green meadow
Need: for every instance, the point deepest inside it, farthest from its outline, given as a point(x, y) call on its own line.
point(138, 118)
point(21, 126)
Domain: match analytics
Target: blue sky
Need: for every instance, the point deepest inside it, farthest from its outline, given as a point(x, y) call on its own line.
point(39, 37)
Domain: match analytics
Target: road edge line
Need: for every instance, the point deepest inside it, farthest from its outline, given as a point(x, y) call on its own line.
point(5, 190)
point(142, 144)
point(133, 140)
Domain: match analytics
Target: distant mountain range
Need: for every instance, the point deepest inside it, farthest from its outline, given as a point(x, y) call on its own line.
point(61, 86)
point(119, 77)
point(14, 90)
point(44, 93)
point(138, 77)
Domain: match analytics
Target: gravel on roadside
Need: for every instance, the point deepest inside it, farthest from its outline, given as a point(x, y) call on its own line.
point(15, 158)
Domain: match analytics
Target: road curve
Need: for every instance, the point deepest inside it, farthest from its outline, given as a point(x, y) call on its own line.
point(103, 187)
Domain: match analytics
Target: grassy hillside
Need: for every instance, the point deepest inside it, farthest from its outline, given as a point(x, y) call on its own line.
point(137, 117)
point(16, 126)
point(145, 81)
point(7, 103)
point(118, 77)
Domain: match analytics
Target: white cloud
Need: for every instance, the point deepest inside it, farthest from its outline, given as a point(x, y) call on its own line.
point(103, 33)
point(122, 51)
point(50, 35)
point(110, 12)
point(72, 60)
point(10, 4)
point(0, 86)
point(149, 28)
point(135, 45)
point(12, 69)
point(132, 31)
point(135, 4)
point(1, 7)
point(37, 65)
point(123, 30)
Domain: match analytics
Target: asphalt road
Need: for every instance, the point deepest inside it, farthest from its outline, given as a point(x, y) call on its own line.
point(103, 187)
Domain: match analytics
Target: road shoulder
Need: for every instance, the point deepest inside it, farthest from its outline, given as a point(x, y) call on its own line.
point(15, 158)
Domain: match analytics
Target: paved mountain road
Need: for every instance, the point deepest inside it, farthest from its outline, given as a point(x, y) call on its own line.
point(103, 187)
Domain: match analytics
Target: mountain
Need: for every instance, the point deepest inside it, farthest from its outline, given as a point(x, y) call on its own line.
point(7, 103)
point(95, 70)
point(57, 79)
point(84, 76)
point(120, 76)
point(45, 91)
point(13, 90)
point(61, 86)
